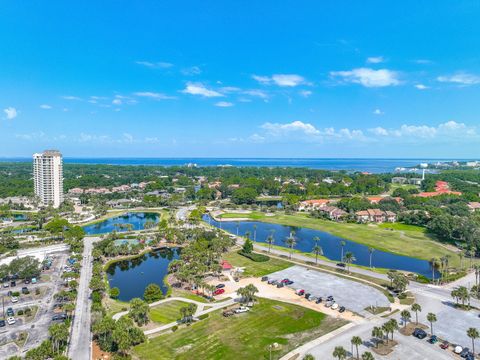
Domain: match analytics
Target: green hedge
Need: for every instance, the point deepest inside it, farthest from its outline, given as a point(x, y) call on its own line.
point(254, 256)
point(202, 317)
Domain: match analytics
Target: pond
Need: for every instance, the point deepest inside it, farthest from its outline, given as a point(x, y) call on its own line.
point(331, 245)
point(136, 219)
point(132, 276)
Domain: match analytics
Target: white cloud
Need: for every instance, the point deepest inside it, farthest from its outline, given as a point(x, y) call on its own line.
point(423, 61)
point(31, 136)
point(224, 104)
point(192, 70)
point(200, 89)
point(155, 65)
point(153, 95)
point(449, 129)
point(461, 78)
point(257, 138)
point(283, 80)
point(369, 77)
point(256, 93)
point(305, 93)
point(70, 97)
point(117, 102)
point(10, 113)
point(421, 87)
point(375, 60)
point(128, 138)
point(295, 126)
point(379, 131)
point(378, 112)
point(45, 107)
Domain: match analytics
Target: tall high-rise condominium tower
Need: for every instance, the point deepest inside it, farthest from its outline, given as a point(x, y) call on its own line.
point(48, 177)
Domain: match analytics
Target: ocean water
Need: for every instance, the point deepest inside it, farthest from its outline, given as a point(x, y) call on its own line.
point(357, 164)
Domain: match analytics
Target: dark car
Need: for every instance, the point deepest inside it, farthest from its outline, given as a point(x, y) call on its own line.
point(330, 298)
point(342, 309)
point(342, 265)
point(433, 339)
point(26, 281)
point(59, 317)
point(220, 286)
point(2, 323)
point(13, 283)
point(280, 285)
point(25, 290)
point(271, 281)
point(10, 312)
point(470, 356)
point(419, 333)
point(307, 295)
point(290, 282)
point(264, 278)
point(319, 300)
point(465, 352)
point(444, 345)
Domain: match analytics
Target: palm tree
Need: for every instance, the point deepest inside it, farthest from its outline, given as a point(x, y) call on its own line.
point(473, 334)
point(406, 316)
point(270, 240)
point(417, 308)
point(433, 262)
point(461, 256)
point(370, 252)
point(317, 250)
point(356, 341)
point(255, 232)
point(340, 353)
point(393, 325)
point(386, 330)
point(291, 242)
point(349, 259)
point(367, 355)
point(377, 333)
point(342, 244)
point(431, 318)
point(308, 357)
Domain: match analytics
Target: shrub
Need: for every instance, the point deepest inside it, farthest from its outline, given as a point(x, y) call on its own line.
point(37, 291)
point(174, 328)
point(20, 312)
point(254, 256)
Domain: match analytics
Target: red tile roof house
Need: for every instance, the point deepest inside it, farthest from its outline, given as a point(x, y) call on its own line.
point(473, 206)
point(377, 199)
point(333, 212)
point(226, 266)
point(375, 215)
point(309, 205)
point(441, 188)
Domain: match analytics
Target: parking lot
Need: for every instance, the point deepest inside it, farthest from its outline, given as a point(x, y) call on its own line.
point(353, 295)
point(40, 300)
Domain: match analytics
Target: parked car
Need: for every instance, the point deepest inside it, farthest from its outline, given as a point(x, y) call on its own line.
point(242, 309)
point(13, 283)
point(419, 333)
point(11, 320)
point(330, 298)
point(465, 351)
point(2, 323)
point(444, 345)
point(342, 265)
point(319, 300)
point(342, 309)
point(280, 285)
point(264, 278)
point(284, 281)
point(34, 280)
point(57, 317)
point(329, 303)
point(228, 313)
point(470, 356)
point(300, 292)
point(25, 290)
point(6, 285)
point(312, 298)
point(274, 282)
point(218, 291)
point(26, 281)
point(271, 281)
point(458, 349)
point(220, 286)
point(334, 306)
point(10, 312)
point(307, 295)
point(433, 339)
point(14, 299)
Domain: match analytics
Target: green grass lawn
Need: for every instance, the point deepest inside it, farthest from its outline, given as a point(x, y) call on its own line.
point(253, 268)
point(245, 336)
point(402, 227)
point(404, 240)
point(167, 312)
point(252, 216)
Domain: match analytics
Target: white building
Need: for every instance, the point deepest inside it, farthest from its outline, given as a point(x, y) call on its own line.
point(48, 177)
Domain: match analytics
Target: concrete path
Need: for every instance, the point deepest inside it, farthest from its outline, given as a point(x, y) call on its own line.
point(81, 337)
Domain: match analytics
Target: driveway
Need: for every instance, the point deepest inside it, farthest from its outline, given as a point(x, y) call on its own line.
point(351, 294)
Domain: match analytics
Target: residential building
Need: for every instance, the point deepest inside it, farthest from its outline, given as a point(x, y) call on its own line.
point(375, 215)
point(48, 177)
point(333, 213)
point(310, 205)
point(474, 206)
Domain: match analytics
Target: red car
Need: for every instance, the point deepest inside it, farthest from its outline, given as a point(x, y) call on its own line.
point(218, 291)
point(444, 345)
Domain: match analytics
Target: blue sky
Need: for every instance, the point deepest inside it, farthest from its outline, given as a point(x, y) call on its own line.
point(240, 79)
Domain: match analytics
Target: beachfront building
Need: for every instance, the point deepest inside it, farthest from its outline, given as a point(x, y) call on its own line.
point(48, 177)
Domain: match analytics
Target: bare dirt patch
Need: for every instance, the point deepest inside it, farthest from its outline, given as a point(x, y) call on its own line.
point(384, 348)
point(98, 354)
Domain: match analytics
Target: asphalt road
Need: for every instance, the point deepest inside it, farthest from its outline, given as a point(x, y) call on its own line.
point(81, 337)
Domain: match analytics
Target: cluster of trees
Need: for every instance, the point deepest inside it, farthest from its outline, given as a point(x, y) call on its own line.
point(24, 267)
point(200, 257)
point(398, 281)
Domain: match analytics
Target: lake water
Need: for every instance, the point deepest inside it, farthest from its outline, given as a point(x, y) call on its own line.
point(132, 276)
point(331, 245)
point(136, 219)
